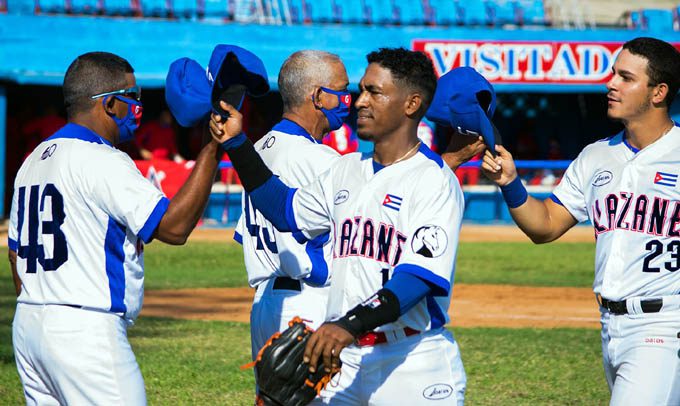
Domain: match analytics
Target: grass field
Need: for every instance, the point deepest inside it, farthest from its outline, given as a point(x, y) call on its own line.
point(196, 362)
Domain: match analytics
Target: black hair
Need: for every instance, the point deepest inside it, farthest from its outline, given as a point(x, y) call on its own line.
point(90, 74)
point(663, 63)
point(412, 69)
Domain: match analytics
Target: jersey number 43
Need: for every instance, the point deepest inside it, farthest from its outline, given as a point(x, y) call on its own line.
point(34, 214)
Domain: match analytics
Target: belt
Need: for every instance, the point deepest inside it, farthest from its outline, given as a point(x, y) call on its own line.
point(647, 306)
point(379, 337)
point(285, 283)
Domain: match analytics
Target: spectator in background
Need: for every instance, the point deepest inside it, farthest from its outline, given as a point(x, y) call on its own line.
point(343, 140)
point(157, 139)
point(37, 129)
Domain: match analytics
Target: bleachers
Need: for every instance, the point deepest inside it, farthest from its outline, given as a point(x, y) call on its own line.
point(469, 13)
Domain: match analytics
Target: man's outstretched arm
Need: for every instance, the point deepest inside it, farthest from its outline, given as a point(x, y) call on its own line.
point(541, 220)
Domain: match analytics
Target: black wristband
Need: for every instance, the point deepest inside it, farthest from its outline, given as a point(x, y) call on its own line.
point(379, 309)
point(250, 167)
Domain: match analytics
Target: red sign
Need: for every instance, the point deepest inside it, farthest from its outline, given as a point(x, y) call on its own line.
point(526, 62)
point(168, 176)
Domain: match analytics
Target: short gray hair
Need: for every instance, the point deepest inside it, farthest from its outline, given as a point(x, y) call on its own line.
point(303, 71)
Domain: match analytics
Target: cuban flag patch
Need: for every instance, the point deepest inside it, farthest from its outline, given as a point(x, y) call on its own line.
point(392, 202)
point(665, 179)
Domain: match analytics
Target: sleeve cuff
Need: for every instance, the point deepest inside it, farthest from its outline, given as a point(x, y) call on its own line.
point(13, 245)
point(235, 142)
point(440, 286)
point(556, 199)
point(146, 233)
point(238, 237)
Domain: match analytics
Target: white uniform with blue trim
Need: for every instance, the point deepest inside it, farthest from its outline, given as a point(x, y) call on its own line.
point(80, 215)
point(276, 263)
point(632, 198)
point(405, 217)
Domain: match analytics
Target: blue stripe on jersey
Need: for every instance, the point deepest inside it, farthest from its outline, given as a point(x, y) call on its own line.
point(556, 199)
point(437, 317)
point(425, 150)
point(291, 127)
point(440, 286)
point(113, 249)
point(146, 233)
point(290, 218)
point(409, 289)
point(75, 131)
point(270, 199)
point(377, 166)
point(238, 237)
point(314, 248)
point(13, 245)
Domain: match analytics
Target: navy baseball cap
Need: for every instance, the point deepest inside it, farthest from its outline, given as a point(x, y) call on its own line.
point(466, 101)
point(233, 71)
point(192, 92)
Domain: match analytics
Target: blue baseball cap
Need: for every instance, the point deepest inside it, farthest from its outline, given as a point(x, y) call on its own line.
point(466, 101)
point(192, 92)
point(187, 92)
point(233, 72)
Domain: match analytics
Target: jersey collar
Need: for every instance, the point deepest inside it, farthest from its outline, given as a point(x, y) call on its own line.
point(290, 127)
point(76, 131)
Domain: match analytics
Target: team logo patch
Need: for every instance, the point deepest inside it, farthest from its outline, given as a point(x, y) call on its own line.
point(602, 178)
point(346, 99)
point(438, 391)
point(429, 241)
point(392, 202)
point(48, 152)
point(341, 197)
point(665, 179)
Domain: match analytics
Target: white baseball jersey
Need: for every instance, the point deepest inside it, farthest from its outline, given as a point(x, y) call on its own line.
point(80, 214)
point(297, 158)
point(407, 214)
point(633, 201)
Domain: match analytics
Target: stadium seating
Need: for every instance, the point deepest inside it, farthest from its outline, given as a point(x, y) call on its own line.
point(475, 13)
point(503, 12)
point(84, 6)
point(118, 7)
point(299, 13)
point(410, 12)
point(658, 19)
point(351, 11)
point(381, 12)
point(321, 11)
point(47, 7)
point(532, 12)
point(215, 9)
point(446, 12)
point(155, 8)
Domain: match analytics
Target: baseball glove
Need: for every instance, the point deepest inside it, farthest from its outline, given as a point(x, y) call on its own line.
point(282, 378)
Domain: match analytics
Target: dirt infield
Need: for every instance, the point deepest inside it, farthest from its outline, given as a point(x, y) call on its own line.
point(472, 305)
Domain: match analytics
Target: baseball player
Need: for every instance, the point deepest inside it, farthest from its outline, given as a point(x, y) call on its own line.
point(81, 213)
point(394, 237)
point(290, 276)
point(627, 186)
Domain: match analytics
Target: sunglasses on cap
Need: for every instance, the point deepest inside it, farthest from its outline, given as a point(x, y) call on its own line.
point(134, 92)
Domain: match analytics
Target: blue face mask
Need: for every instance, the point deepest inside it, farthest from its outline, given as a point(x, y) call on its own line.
point(128, 124)
point(337, 115)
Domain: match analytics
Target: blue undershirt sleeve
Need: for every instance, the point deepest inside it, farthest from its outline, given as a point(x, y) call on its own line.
point(270, 199)
point(408, 288)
